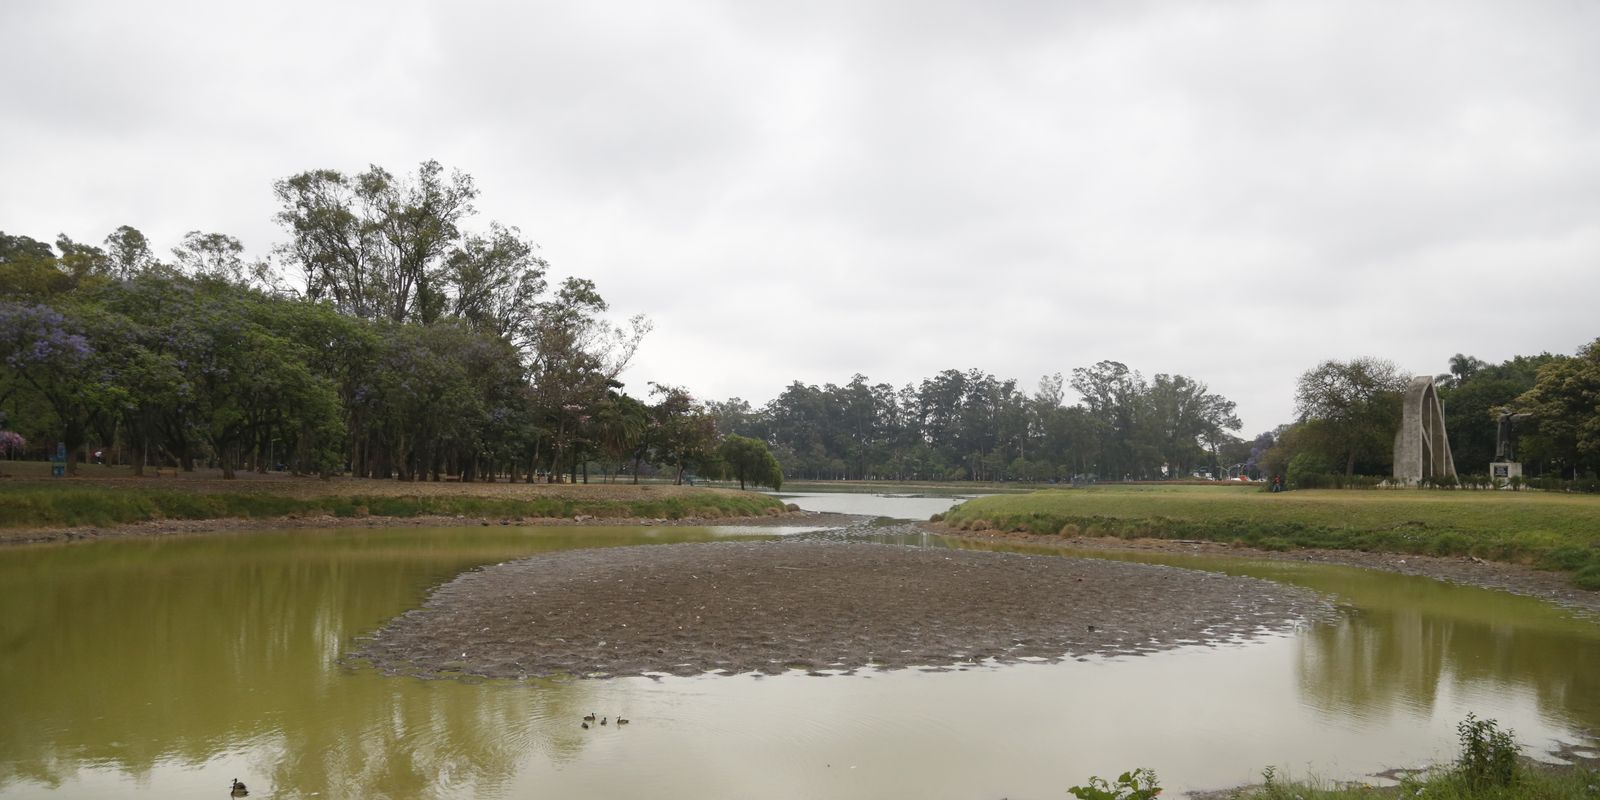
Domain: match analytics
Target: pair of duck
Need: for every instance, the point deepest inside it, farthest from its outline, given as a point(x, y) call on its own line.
point(603, 720)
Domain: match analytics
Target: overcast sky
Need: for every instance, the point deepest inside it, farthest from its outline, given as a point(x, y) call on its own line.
point(1234, 191)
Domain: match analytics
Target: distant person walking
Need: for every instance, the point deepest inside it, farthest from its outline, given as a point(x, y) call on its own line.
point(1277, 483)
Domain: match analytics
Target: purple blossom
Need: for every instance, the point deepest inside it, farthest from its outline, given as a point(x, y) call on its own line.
point(34, 335)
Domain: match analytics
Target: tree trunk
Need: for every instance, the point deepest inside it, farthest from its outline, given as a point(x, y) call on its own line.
point(73, 437)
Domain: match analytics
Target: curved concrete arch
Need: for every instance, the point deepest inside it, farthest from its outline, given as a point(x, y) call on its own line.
point(1421, 448)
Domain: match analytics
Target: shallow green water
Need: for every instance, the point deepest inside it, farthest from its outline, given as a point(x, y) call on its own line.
point(1404, 640)
point(166, 667)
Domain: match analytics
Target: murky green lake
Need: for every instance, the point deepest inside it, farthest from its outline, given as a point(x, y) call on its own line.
point(165, 668)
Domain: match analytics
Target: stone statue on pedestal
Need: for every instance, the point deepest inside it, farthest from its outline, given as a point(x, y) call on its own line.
point(1505, 440)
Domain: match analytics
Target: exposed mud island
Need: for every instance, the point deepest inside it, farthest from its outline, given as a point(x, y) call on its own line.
point(774, 606)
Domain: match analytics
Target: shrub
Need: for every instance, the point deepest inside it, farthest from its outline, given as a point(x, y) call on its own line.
point(1139, 784)
point(1310, 480)
point(1587, 483)
point(1488, 755)
point(1566, 557)
point(1334, 480)
point(1588, 578)
point(1451, 544)
point(1308, 463)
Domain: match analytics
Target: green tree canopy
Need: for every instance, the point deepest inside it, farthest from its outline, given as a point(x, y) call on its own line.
point(750, 461)
point(1565, 402)
point(1351, 409)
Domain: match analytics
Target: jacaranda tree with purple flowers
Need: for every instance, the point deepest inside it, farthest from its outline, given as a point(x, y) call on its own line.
point(41, 350)
point(10, 442)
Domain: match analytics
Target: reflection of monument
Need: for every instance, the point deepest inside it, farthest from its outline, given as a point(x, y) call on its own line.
point(1421, 449)
point(1505, 465)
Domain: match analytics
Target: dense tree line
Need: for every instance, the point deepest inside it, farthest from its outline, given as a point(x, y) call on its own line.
point(973, 426)
point(412, 345)
point(417, 348)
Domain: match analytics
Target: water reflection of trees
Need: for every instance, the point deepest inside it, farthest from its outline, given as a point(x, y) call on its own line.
point(1386, 657)
point(132, 655)
point(1404, 636)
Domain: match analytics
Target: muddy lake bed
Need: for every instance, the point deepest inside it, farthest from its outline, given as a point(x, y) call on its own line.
point(165, 667)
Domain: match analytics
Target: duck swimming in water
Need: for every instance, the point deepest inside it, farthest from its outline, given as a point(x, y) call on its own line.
point(589, 718)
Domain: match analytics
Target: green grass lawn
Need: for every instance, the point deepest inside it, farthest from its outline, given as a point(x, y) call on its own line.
point(1553, 531)
point(50, 504)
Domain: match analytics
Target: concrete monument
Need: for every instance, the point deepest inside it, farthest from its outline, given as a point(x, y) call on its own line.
point(1421, 449)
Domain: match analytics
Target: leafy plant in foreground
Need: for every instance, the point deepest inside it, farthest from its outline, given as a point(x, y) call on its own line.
point(1488, 755)
point(1139, 784)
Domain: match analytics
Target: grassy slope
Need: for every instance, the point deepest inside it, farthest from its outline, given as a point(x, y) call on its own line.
point(46, 503)
point(1554, 531)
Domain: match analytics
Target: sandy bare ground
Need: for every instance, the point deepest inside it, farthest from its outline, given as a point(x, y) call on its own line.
point(769, 607)
point(1555, 587)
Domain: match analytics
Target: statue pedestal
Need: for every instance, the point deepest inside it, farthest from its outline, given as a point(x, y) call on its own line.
point(1505, 470)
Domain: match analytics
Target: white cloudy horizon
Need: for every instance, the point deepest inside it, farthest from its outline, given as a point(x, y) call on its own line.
point(1232, 191)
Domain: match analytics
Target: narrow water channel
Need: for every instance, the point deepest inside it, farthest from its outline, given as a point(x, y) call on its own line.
point(166, 667)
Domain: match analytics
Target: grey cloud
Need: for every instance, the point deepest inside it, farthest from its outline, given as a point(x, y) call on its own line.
point(1230, 190)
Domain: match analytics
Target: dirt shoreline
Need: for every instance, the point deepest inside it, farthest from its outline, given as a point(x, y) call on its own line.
point(184, 527)
point(819, 606)
point(1554, 587)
